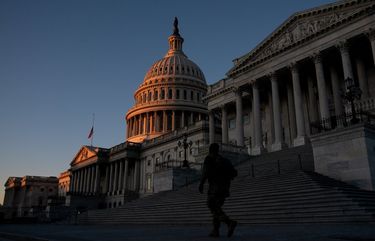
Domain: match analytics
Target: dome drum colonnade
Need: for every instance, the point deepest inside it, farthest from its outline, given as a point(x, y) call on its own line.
point(170, 97)
point(309, 79)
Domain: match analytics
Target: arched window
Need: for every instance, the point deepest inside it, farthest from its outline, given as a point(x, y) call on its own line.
point(156, 93)
point(170, 94)
point(177, 94)
point(149, 96)
point(185, 95)
point(191, 95)
point(162, 94)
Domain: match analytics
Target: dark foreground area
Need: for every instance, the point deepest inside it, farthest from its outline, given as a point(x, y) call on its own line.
point(287, 232)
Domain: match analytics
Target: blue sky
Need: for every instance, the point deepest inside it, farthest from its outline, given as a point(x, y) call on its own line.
point(61, 61)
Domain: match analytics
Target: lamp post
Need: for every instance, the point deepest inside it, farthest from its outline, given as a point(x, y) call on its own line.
point(352, 93)
point(185, 144)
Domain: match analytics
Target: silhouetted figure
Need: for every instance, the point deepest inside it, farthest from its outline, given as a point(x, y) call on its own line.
point(219, 171)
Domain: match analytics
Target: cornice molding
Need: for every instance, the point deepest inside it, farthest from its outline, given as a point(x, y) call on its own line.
point(295, 32)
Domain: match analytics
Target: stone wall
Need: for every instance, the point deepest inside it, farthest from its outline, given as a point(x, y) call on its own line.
point(347, 154)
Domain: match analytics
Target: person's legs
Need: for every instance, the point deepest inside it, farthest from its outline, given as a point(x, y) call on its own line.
point(223, 217)
point(214, 207)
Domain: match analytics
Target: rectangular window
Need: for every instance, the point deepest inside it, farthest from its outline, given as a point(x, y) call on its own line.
point(246, 119)
point(232, 123)
point(149, 182)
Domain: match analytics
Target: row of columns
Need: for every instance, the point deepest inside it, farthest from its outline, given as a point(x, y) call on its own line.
point(164, 94)
point(117, 176)
point(294, 98)
point(157, 121)
point(85, 180)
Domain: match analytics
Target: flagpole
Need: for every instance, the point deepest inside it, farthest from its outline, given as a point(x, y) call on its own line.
point(93, 122)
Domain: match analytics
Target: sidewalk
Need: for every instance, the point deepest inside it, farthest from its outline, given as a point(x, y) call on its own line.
point(289, 232)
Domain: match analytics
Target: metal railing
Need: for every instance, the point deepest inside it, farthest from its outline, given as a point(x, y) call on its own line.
point(279, 166)
point(341, 121)
point(165, 165)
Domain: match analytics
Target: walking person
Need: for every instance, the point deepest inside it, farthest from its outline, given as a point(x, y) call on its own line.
point(219, 172)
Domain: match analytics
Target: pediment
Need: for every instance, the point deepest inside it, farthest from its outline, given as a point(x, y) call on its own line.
point(303, 26)
point(84, 154)
point(11, 181)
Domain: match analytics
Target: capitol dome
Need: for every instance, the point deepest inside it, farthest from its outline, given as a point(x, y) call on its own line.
point(170, 96)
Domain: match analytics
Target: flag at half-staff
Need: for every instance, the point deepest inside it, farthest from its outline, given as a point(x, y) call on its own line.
point(91, 133)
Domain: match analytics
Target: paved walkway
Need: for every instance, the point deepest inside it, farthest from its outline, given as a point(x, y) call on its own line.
point(290, 232)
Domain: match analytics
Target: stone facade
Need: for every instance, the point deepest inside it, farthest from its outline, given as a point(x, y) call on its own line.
point(347, 154)
point(269, 101)
point(64, 183)
point(274, 96)
point(168, 107)
point(296, 76)
point(27, 196)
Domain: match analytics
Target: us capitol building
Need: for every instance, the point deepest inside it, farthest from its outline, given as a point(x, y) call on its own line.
point(311, 82)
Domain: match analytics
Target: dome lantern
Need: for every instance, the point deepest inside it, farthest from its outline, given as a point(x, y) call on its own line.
point(175, 41)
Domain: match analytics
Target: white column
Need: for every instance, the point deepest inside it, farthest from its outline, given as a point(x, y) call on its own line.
point(93, 178)
point(312, 99)
point(211, 126)
point(132, 127)
point(139, 125)
point(136, 176)
point(80, 180)
point(148, 126)
point(300, 139)
point(346, 62)
point(322, 88)
point(85, 180)
point(173, 120)
point(239, 119)
point(362, 78)
point(224, 125)
point(110, 187)
point(77, 181)
point(106, 184)
point(156, 122)
point(124, 185)
point(258, 148)
point(97, 179)
point(165, 121)
point(73, 182)
point(291, 114)
point(115, 180)
point(71, 188)
point(182, 118)
point(336, 91)
point(371, 36)
point(91, 182)
point(120, 176)
point(277, 145)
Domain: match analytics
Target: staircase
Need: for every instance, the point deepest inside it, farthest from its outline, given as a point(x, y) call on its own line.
point(290, 197)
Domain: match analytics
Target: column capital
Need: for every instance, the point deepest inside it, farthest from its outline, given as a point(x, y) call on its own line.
point(273, 75)
point(223, 106)
point(255, 85)
point(293, 67)
point(237, 91)
point(317, 57)
point(343, 46)
point(370, 34)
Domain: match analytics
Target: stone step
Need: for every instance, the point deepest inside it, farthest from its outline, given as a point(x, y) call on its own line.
point(290, 197)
